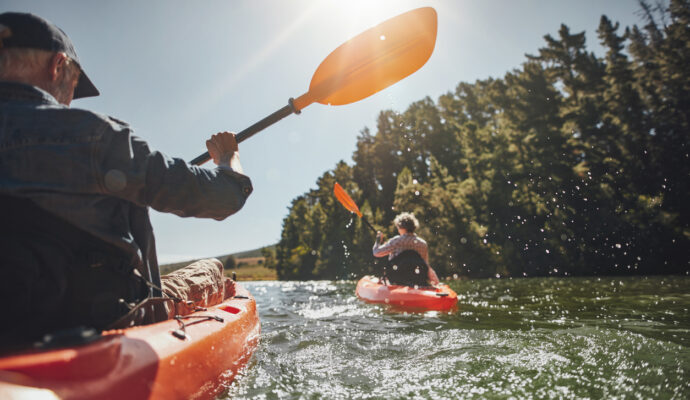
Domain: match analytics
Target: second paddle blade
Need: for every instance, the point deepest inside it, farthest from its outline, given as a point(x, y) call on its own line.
point(345, 199)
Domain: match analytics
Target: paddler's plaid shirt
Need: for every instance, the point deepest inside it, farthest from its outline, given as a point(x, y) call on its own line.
point(400, 243)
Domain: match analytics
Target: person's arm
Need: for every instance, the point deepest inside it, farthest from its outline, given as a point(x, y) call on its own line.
point(385, 249)
point(129, 169)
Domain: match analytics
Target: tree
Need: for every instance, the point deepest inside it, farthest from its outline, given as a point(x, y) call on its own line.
point(269, 256)
point(571, 164)
point(230, 262)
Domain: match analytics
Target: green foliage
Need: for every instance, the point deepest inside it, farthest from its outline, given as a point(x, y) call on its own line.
point(230, 262)
point(269, 256)
point(572, 164)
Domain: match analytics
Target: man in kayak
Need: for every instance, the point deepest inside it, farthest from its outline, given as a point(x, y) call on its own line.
point(77, 246)
point(403, 265)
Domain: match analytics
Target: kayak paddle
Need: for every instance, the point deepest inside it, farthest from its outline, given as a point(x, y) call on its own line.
point(362, 66)
point(348, 203)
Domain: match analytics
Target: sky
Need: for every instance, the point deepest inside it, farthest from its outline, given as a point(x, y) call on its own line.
point(179, 71)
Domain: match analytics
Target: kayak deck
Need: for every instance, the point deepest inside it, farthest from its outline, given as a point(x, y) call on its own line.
point(145, 362)
point(440, 297)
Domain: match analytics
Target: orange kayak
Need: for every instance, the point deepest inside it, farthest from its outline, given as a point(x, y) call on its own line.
point(440, 297)
point(145, 362)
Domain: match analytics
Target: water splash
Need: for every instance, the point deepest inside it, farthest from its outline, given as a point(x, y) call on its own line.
point(510, 338)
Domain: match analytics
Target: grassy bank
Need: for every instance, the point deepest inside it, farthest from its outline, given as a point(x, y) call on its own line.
point(249, 266)
point(253, 272)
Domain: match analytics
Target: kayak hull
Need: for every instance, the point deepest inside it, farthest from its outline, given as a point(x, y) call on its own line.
point(145, 362)
point(440, 298)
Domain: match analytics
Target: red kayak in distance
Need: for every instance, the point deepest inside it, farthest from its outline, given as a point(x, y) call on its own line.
point(436, 298)
point(159, 361)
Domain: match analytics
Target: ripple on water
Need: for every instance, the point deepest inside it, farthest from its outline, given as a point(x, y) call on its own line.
point(522, 339)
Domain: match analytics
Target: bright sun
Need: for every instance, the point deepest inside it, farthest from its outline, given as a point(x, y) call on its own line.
point(361, 14)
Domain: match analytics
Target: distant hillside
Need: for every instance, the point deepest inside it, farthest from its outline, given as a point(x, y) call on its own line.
point(251, 256)
point(249, 253)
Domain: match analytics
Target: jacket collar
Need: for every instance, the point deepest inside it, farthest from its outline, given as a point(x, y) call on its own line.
point(13, 91)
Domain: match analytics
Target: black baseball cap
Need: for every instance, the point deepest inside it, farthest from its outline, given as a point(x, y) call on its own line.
point(23, 30)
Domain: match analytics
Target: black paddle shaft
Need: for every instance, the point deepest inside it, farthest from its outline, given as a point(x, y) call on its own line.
point(257, 127)
point(369, 225)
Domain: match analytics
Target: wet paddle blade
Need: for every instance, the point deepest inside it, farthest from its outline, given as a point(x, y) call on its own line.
point(376, 58)
point(345, 199)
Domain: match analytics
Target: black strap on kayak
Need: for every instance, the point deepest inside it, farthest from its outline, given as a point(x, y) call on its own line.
point(181, 332)
point(154, 286)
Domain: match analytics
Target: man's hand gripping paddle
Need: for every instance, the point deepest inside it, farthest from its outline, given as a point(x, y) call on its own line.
point(362, 66)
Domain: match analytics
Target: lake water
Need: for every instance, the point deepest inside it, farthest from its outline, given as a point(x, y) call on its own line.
point(510, 338)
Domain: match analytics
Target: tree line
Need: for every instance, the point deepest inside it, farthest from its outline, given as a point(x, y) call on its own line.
point(571, 164)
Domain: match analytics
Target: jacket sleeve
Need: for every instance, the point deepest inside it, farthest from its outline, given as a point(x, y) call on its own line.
point(386, 248)
point(129, 169)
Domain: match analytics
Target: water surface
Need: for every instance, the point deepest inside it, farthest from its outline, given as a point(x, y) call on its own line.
point(510, 338)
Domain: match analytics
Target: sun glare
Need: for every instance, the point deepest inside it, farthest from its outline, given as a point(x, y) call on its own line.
point(357, 15)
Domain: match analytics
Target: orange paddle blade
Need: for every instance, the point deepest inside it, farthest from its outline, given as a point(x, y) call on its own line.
point(374, 59)
point(345, 199)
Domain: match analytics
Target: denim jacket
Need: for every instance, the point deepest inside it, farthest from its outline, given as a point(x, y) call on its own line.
point(90, 170)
